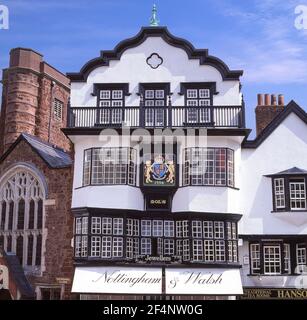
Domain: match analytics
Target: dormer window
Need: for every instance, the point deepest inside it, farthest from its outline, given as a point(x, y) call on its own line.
point(289, 190)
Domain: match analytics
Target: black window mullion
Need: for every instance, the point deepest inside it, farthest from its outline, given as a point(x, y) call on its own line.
point(127, 165)
point(190, 239)
point(125, 236)
point(287, 193)
point(261, 253)
point(274, 195)
point(226, 167)
point(293, 256)
point(250, 257)
point(91, 166)
point(282, 258)
point(89, 236)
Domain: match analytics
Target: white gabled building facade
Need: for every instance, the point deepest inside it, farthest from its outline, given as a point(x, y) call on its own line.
point(170, 198)
point(273, 201)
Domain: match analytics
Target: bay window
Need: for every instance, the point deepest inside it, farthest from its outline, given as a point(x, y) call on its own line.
point(208, 167)
point(123, 238)
point(289, 191)
point(109, 166)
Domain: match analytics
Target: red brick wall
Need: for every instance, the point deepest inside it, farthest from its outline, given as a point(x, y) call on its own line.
point(3, 112)
point(47, 127)
point(59, 221)
point(21, 105)
point(265, 114)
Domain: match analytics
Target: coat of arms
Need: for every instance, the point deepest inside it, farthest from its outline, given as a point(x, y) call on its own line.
point(160, 171)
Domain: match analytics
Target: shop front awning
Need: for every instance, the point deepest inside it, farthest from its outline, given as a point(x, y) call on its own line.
point(142, 280)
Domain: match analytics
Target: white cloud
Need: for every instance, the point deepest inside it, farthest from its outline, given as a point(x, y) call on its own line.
point(271, 49)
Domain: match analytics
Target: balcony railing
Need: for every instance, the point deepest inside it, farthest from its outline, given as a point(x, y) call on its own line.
point(157, 117)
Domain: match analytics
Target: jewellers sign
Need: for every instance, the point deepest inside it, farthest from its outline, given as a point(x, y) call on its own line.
point(117, 280)
point(203, 281)
point(148, 259)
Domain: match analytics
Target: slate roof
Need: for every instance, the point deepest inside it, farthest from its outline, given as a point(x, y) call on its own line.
point(16, 271)
point(54, 157)
point(291, 171)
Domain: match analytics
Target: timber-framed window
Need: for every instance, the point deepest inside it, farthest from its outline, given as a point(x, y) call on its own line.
point(134, 239)
point(277, 257)
point(289, 193)
point(109, 166)
point(208, 167)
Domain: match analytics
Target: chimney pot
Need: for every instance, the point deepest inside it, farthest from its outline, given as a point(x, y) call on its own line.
point(267, 99)
point(281, 100)
point(273, 100)
point(260, 99)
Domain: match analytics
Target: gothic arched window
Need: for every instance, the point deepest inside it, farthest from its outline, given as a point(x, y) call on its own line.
point(22, 217)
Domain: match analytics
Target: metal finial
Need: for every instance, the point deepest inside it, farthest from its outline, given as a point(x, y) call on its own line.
point(154, 22)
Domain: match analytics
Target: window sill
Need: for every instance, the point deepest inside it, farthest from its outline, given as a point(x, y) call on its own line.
point(261, 275)
point(127, 262)
point(106, 185)
point(288, 211)
point(211, 186)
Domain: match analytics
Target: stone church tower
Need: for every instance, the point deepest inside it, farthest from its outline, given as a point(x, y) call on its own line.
point(35, 180)
point(30, 88)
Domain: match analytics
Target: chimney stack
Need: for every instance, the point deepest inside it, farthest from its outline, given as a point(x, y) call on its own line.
point(273, 100)
point(281, 100)
point(260, 99)
point(266, 99)
point(267, 111)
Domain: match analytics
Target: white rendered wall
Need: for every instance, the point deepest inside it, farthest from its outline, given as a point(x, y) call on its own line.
point(285, 148)
point(201, 199)
point(176, 68)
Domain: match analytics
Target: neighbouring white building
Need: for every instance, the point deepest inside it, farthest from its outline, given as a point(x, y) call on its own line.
point(170, 197)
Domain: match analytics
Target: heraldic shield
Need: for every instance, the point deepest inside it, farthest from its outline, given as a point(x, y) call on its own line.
point(159, 170)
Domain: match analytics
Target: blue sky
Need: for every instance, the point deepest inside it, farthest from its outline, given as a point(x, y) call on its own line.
point(256, 36)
